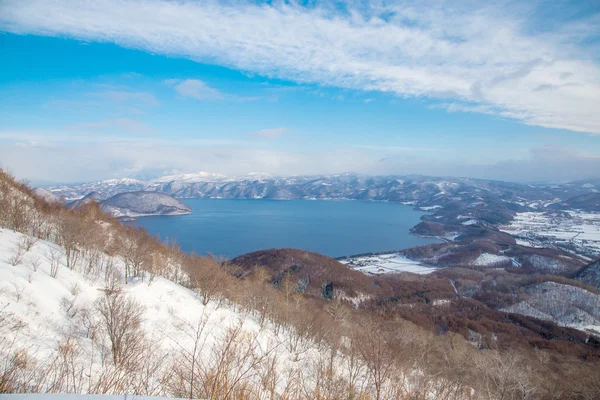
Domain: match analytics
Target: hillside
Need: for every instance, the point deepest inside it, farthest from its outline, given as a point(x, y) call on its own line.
point(585, 202)
point(564, 304)
point(42, 299)
point(92, 196)
point(590, 274)
point(138, 204)
point(312, 273)
point(48, 196)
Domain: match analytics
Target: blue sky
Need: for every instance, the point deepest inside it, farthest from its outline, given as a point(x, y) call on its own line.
point(142, 88)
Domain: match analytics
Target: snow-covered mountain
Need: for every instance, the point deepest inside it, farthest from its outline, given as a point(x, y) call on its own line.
point(423, 191)
point(564, 305)
point(142, 203)
point(48, 196)
point(105, 189)
point(92, 196)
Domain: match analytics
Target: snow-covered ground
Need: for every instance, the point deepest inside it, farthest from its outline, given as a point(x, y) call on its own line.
point(387, 264)
point(571, 228)
point(487, 259)
point(563, 304)
point(49, 307)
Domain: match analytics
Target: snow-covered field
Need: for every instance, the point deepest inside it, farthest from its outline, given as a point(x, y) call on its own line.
point(387, 264)
point(575, 229)
point(45, 306)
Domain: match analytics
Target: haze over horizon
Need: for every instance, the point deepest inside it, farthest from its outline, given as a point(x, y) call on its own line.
point(143, 88)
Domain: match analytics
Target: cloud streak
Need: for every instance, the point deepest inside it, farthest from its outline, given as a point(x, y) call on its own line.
point(94, 157)
point(270, 133)
point(481, 58)
point(195, 88)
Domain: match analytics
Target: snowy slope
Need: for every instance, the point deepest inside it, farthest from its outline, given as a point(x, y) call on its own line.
point(563, 304)
point(487, 259)
point(48, 196)
point(137, 204)
point(42, 314)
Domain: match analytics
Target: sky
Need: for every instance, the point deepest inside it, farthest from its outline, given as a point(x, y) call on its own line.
point(93, 90)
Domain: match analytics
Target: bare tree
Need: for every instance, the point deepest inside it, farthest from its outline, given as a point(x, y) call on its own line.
point(504, 376)
point(17, 256)
point(380, 351)
point(53, 256)
point(187, 369)
point(206, 276)
point(70, 235)
point(121, 318)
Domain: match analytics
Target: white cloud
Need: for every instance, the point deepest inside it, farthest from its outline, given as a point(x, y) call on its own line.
point(127, 125)
point(195, 88)
point(483, 58)
point(270, 133)
point(100, 157)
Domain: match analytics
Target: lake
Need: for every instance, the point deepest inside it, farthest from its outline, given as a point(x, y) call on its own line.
point(230, 227)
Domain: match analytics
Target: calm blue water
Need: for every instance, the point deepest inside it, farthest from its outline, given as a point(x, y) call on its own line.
point(335, 228)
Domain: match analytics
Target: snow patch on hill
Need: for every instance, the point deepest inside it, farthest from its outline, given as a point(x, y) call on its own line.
point(487, 259)
point(565, 305)
point(387, 264)
point(137, 204)
point(48, 196)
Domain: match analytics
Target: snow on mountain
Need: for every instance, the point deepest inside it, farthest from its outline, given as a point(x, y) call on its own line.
point(425, 192)
point(565, 305)
point(487, 260)
point(137, 204)
point(92, 196)
point(590, 274)
point(48, 196)
point(191, 178)
point(105, 189)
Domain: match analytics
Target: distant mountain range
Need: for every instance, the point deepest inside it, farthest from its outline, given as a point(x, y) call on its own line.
point(418, 190)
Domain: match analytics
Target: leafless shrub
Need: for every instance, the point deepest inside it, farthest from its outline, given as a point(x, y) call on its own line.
point(504, 376)
point(121, 317)
point(67, 371)
point(136, 250)
point(18, 291)
point(35, 262)
point(17, 256)
point(87, 320)
point(380, 351)
point(17, 372)
point(28, 242)
point(68, 306)
point(54, 256)
point(188, 361)
point(206, 277)
point(113, 280)
point(74, 233)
